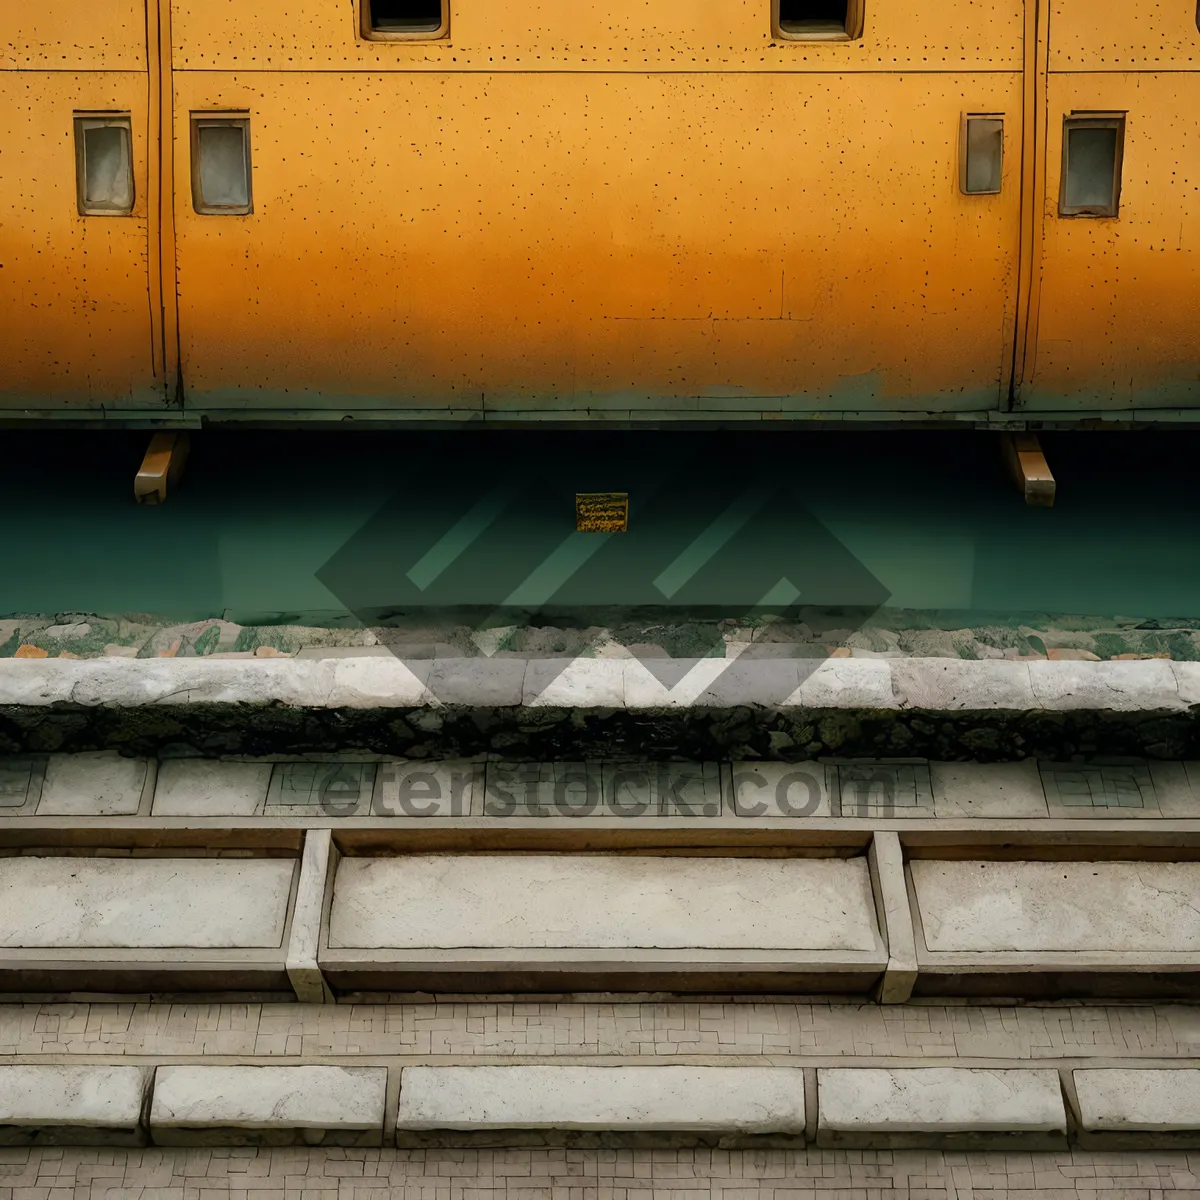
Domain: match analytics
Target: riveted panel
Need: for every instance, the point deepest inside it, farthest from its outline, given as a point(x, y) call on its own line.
point(74, 289)
point(65, 35)
point(1119, 294)
point(1117, 35)
point(570, 242)
point(595, 35)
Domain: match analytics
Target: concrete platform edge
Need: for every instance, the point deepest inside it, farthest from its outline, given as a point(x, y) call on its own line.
point(786, 710)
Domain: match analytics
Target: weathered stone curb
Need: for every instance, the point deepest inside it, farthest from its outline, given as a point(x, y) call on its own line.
point(786, 709)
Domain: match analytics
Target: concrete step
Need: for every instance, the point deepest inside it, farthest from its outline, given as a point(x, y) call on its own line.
point(852, 1107)
point(770, 708)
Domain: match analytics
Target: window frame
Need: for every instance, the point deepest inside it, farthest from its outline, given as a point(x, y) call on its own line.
point(208, 120)
point(101, 120)
point(852, 31)
point(1092, 120)
point(370, 34)
point(967, 118)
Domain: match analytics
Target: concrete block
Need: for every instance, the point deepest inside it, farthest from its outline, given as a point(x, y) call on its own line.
point(955, 685)
point(327, 789)
point(603, 901)
point(93, 785)
point(1124, 1101)
point(650, 1099)
point(478, 682)
point(544, 789)
point(195, 787)
point(666, 789)
point(886, 862)
point(418, 788)
point(766, 789)
point(1177, 787)
point(1141, 686)
point(847, 683)
point(305, 936)
point(884, 789)
point(1128, 907)
point(1094, 790)
point(61, 1105)
point(130, 683)
point(311, 1105)
point(1187, 680)
point(751, 682)
point(53, 901)
point(614, 790)
point(672, 684)
point(21, 780)
point(574, 683)
point(999, 791)
point(376, 682)
point(928, 1106)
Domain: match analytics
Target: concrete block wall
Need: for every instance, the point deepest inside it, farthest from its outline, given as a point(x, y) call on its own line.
point(945, 879)
point(545, 1095)
point(366, 876)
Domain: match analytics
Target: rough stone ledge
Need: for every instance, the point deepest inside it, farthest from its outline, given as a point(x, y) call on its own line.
point(307, 1105)
point(72, 1106)
point(929, 708)
point(911, 1107)
point(1122, 1109)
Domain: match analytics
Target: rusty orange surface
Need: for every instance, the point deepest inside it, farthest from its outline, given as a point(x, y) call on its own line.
point(564, 240)
point(1120, 296)
point(73, 35)
point(74, 289)
point(595, 35)
point(602, 209)
point(1124, 35)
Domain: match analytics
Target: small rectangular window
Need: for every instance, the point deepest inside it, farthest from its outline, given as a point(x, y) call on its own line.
point(818, 20)
point(104, 165)
point(419, 20)
point(1091, 166)
point(221, 165)
point(981, 154)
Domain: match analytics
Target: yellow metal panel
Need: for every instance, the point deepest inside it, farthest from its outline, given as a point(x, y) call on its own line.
point(73, 35)
point(557, 242)
point(1119, 297)
point(1124, 35)
point(596, 35)
point(73, 290)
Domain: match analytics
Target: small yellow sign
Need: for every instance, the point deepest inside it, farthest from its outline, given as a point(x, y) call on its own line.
point(601, 512)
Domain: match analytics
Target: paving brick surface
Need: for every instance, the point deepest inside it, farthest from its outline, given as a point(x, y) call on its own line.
point(536, 1029)
point(226, 1173)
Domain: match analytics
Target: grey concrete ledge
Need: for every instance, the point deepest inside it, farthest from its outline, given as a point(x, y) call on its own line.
point(308, 1105)
point(789, 709)
point(65, 1105)
point(940, 1106)
point(731, 1102)
point(1124, 1108)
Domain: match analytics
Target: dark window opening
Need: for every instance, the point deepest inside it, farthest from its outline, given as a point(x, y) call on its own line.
point(816, 18)
point(221, 165)
point(104, 165)
point(981, 154)
point(404, 17)
point(1091, 167)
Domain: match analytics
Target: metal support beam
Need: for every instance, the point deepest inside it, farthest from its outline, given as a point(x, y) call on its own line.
point(1028, 467)
point(161, 468)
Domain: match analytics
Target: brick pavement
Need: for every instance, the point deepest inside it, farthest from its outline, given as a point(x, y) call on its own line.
point(537, 1029)
point(566, 1174)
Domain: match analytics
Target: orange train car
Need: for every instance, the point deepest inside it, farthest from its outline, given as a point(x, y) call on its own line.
point(612, 211)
